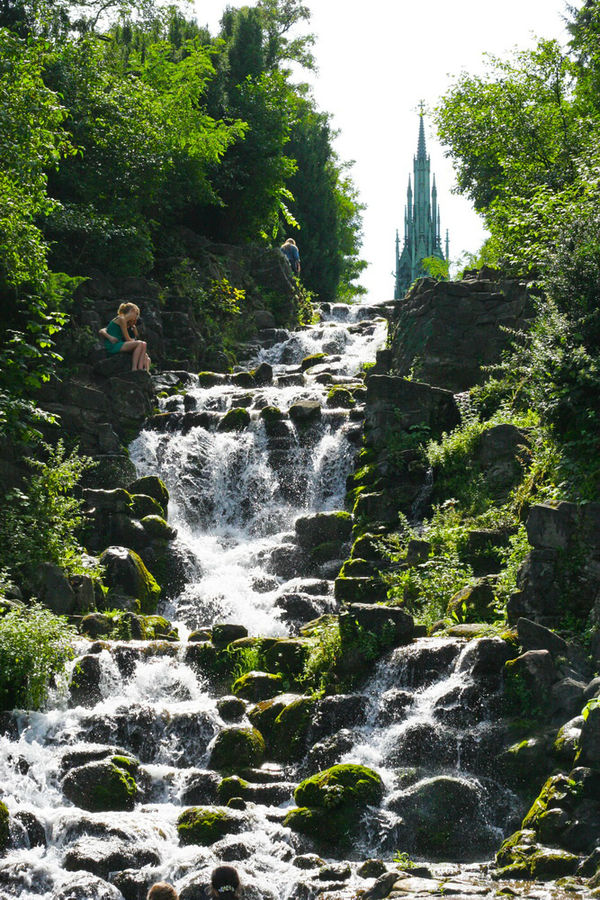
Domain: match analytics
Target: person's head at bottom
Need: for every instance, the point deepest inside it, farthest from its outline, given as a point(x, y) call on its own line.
point(162, 891)
point(225, 883)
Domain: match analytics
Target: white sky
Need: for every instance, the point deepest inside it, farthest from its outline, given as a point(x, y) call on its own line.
point(377, 59)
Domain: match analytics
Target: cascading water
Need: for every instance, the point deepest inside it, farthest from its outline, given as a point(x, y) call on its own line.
point(235, 497)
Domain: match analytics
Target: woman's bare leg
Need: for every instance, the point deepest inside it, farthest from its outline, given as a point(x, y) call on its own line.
point(137, 350)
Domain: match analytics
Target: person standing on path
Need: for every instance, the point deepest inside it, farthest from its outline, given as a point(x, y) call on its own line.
point(292, 254)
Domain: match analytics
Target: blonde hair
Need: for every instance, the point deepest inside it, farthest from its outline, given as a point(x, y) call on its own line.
point(126, 308)
point(161, 890)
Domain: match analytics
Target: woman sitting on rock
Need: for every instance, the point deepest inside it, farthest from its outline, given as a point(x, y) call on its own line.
point(121, 336)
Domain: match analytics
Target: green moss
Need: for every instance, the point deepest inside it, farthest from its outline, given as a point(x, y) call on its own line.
point(237, 747)
point(157, 528)
point(327, 827)
point(326, 552)
point(271, 413)
point(356, 568)
point(117, 790)
point(151, 486)
point(290, 729)
point(144, 505)
point(360, 590)
point(232, 787)
point(204, 825)
point(235, 419)
point(312, 360)
point(210, 379)
point(258, 685)
point(340, 786)
point(340, 397)
point(4, 829)
point(287, 656)
point(158, 628)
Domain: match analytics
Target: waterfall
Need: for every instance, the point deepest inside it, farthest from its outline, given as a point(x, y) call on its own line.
point(235, 497)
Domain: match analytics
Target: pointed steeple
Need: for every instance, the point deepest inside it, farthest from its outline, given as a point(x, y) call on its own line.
point(422, 225)
point(421, 148)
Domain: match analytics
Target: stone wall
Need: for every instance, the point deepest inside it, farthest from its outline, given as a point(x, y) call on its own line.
point(444, 332)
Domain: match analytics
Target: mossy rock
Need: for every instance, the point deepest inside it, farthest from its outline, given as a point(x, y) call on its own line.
point(473, 603)
point(158, 528)
point(126, 575)
point(204, 825)
point(370, 547)
point(4, 826)
point(263, 714)
point(243, 379)
point(343, 785)
point(258, 686)
point(290, 729)
point(313, 360)
point(227, 632)
point(340, 398)
point(327, 827)
point(287, 656)
point(271, 414)
point(322, 528)
point(557, 790)
point(233, 786)
point(145, 505)
point(235, 420)
point(158, 628)
point(237, 747)
point(360, 590)
point(210, 379)
point(357, 568)
point(103, 786)
point(151, 486)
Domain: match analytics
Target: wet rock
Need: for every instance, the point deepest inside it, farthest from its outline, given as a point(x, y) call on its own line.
point(321, 528)
point(329, 751)
point(34, 831)
point(394, 706)
point(308, 861)
point(263, 374)
point(372, 868)
point(4, 826)
point(296, 607)
point(566, 697)
point(231, 851)
point(235, 420)
point(288, 736)
point(104, 785)
point(237, 747)
point(257, 686)
point(287, 656)
point(440, 815)
point(86, 887)
point(101, 858)
point(200, 788)
point(588, 753)
point(223, 634)
point(484, 659)
point(305, 412)
point(390, 625)
point(567, 740)
point(231, 709)
point(288, 561)
point(335, 872)
point(382, 887)
point(126, 574)
point(84, 685)
point(134, 885)
point(204, 825)
point(336, 712)
point(157, 528)
point(210, 379)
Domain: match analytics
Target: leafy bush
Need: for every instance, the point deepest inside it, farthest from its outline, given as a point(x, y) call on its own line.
point(40, 524)
point(35, 646)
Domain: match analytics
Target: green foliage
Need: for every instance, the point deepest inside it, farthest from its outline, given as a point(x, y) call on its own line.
point(437, 268)
point(403, 861)
point(35, 646)
point(324, 656)
point(40, 523)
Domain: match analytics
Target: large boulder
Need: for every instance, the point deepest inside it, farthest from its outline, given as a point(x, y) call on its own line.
point(204, 825)
point(397, 404)
point(236, 748)
point(447, 332)
point(104, 785)
point(322, 528)
point(126, 574)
